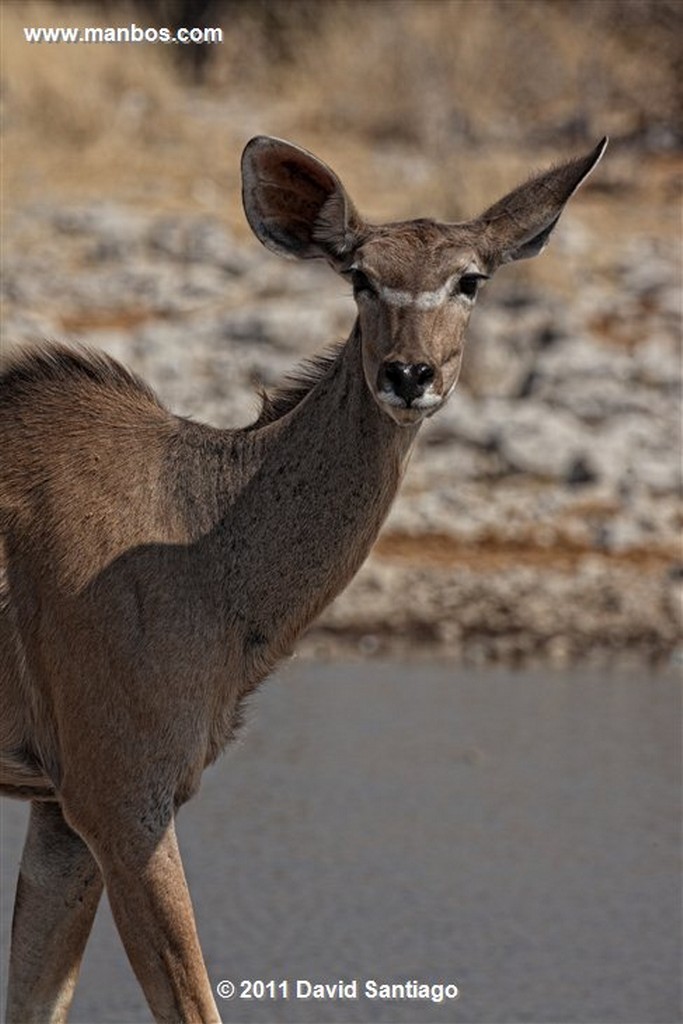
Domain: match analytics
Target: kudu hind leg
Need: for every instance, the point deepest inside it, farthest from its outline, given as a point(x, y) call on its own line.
point(58, 890)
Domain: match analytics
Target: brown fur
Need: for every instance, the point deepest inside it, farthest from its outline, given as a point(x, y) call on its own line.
point(154, 570)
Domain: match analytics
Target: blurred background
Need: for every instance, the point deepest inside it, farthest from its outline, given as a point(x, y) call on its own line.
point(540, 519)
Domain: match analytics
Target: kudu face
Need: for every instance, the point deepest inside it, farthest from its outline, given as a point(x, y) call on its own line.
point(415, 285)
point(415, 282)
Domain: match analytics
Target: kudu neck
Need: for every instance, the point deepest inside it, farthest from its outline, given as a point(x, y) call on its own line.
point(327, 474)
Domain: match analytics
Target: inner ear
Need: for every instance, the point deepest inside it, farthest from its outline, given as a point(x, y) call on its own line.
point(295, 204)
point(525, 249)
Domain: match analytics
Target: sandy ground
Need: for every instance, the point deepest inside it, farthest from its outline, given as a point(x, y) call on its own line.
point(515, 835)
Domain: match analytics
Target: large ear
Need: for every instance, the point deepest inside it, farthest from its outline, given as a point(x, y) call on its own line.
point(518, 226)
point(295, 204)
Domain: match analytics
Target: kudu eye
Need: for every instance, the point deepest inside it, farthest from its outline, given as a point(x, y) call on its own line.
point(362, 283)
point(468, 285)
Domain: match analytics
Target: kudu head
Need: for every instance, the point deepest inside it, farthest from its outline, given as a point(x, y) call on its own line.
point(415, 282)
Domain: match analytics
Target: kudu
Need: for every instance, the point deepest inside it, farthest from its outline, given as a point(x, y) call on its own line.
point(156, 569)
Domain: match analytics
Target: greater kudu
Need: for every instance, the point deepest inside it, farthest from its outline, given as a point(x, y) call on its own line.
point(156, 569)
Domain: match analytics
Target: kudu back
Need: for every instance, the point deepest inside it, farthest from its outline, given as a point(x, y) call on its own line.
point(156, 569)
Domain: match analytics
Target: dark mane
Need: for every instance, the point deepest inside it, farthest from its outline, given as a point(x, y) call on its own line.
point(296, 386)
point(60, 365)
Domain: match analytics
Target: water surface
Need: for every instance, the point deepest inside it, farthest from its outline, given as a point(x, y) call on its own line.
point(514, 835)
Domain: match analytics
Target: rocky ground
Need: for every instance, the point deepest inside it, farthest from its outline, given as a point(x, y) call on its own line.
point(540, 517)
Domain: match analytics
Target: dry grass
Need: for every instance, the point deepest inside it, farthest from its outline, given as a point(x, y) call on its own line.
point(424, 105)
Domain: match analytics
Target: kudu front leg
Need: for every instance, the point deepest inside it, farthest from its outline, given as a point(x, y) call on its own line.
point(58, 890)
point(151, 906)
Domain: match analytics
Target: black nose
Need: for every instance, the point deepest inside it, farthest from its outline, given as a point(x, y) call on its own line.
point(407, 380)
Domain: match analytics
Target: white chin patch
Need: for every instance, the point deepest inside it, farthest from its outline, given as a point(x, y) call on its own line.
point(390, 398)
point(421, 407)
point(428, 402)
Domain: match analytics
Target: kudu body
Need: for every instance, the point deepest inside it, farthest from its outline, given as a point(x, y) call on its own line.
point(156, 569)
